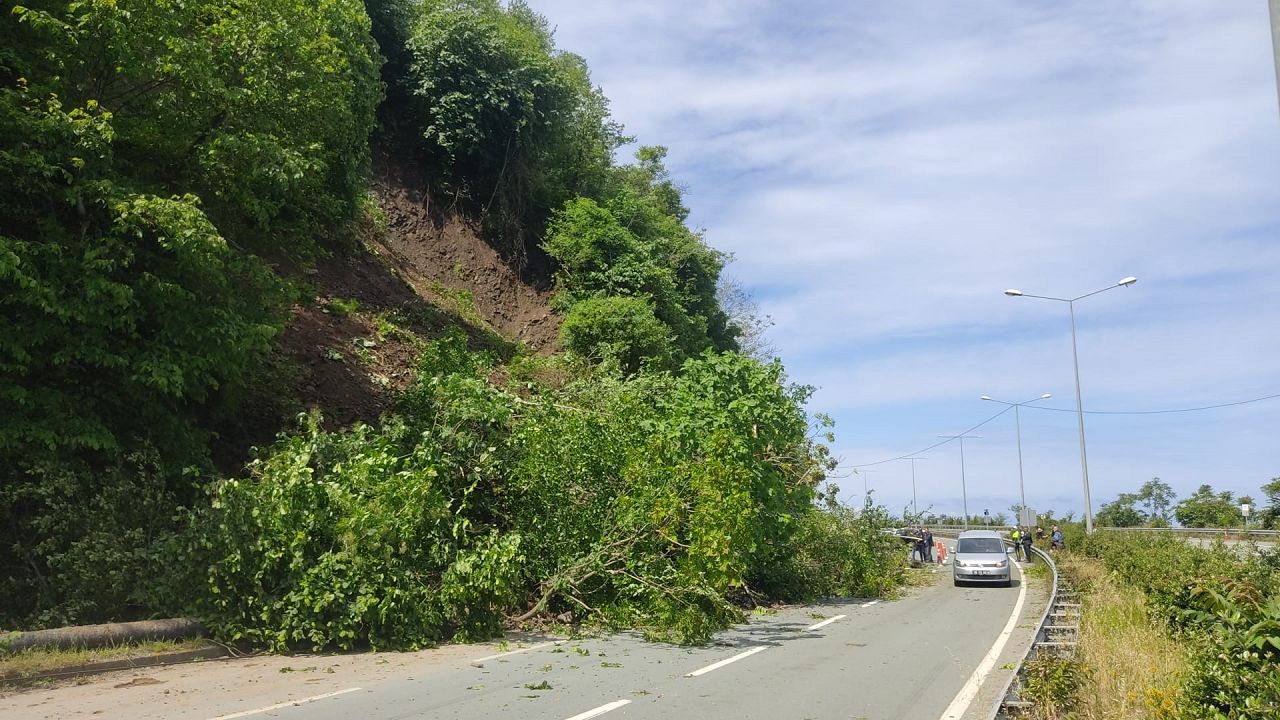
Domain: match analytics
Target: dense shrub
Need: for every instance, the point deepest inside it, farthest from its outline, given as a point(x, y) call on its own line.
point(1225, 602)
point(618, 330)
point(85, 543)
point(501, 117)
point(835, 553)
point(643, 502)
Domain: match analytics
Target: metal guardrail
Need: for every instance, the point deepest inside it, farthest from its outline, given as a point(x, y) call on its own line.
point(1212, 532)
point(1008, 698)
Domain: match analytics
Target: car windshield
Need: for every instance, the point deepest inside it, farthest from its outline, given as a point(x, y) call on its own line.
point(980, 545)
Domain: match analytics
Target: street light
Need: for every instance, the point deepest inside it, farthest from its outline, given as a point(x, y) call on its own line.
point(964, 492)
point(1022, 487)
point(1075, 359)
point(915, 507)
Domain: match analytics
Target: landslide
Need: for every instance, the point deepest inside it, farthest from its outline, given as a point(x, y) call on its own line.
point(349, 347)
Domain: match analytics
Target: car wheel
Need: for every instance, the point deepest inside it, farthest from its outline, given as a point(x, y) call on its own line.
point(957, 582)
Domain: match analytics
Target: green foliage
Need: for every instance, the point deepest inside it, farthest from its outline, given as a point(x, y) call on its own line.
point(620, 330)
point(633, 247)
point(836, 553)
point(1205, 508)
point(115, 307)
point(643, 502)
point(1121, 512)
point(1225, 603)
point(351, 538)
point(503, 117)
point(85, 542)
point(1238, 670)
point(147, 149)
point(1270, 515)
point(1050, 682)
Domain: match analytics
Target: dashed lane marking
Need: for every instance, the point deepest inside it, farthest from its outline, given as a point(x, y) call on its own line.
point(597, 712)
point(291, 703)
point(726, 661)
point(824, 623)
point(487, 658)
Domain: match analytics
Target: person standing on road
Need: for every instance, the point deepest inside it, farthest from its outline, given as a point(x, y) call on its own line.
point(1026, 545)
point(928, 545)
point(1015, 537)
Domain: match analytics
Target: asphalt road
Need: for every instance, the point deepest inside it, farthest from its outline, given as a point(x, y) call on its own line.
point(908, 658)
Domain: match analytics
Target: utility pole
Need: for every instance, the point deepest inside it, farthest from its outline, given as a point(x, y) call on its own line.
point(865, 492)
point(915, 506)
point(1275, 38)
point(964, 492)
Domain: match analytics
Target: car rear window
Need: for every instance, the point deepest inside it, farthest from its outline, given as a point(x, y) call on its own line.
point(980, 545)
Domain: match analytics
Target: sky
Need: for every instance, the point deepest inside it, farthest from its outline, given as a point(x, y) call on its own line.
point(882, 171)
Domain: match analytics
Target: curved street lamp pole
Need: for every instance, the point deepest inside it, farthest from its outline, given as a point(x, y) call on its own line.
point(1022, 486)
point(1075, 359)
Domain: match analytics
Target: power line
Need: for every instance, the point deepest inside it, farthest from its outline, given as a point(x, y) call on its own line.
point(1157, 412)
point(1070, 410)
point(935, 445)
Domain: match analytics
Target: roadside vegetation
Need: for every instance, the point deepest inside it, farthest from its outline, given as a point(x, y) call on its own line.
point(22, 667)
point(172, 173)
point(1133, 668)
point(1217, 611)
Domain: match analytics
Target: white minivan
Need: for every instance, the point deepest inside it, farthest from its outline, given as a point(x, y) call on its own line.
point(981, 557)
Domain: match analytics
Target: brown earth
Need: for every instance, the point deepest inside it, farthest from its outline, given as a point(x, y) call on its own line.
point(426, 272)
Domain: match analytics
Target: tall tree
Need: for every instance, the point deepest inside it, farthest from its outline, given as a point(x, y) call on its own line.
point(1122, 512)
point(1158, 497)
point(1206, 508)
point(1270, 515)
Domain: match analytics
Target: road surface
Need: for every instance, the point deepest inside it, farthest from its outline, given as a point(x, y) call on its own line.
point(913, 657)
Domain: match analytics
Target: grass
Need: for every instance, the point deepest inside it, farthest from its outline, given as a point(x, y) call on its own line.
point(35, 661)
point(1134, 669)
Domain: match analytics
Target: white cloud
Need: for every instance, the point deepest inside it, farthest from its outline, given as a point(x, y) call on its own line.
point(882, 170)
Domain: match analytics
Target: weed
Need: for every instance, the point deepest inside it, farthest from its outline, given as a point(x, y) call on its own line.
point(544, 685)
point(342, 307)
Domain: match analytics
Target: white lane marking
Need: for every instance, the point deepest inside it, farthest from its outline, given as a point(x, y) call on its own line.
point(970, 690)
point(539, 646)
point(291, 703)
point(726, 661)
point(824, 623)
point(869, 604)
point(597, 712)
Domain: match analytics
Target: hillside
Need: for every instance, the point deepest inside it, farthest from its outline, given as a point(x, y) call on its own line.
point(390, 245)
point(429, 270)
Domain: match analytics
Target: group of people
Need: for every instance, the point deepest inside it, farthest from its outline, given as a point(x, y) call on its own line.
point(1022, 538)
point(924, 544)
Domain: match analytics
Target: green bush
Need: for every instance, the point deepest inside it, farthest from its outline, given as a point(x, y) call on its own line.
point(1224, 602)
point(343, 539)
point(641, 502)
point(835, 553)
point(619, 330)
point(85, 543)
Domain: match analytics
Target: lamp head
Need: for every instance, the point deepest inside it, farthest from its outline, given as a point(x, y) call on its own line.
point(1013, 293)
point(1046, 396)
point(985, 397)
point(1128, 281)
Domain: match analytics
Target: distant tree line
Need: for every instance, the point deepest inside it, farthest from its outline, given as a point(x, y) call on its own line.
point(1153, 506)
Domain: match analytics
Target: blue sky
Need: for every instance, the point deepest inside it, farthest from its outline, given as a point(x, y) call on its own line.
point(882, 171)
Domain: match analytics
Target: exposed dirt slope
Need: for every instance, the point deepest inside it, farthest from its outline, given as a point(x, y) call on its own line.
point(431, 249)
point(426, 273)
